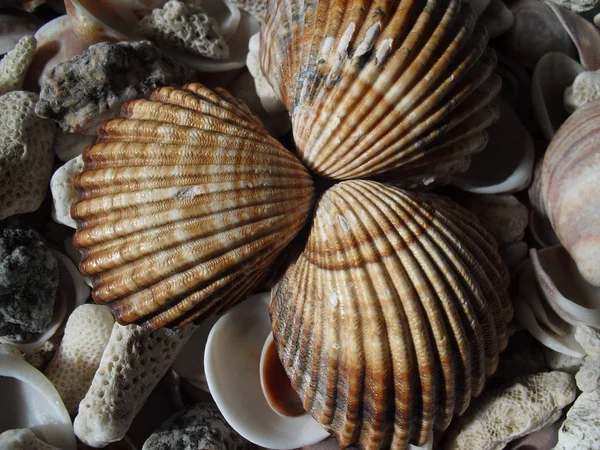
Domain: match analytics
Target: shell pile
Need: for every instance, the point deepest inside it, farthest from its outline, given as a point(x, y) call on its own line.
point(393, 309)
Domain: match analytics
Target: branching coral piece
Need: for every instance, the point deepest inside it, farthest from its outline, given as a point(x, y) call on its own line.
point(22, 439)
point(74, 365)
point(14, 65)
point(133, 363)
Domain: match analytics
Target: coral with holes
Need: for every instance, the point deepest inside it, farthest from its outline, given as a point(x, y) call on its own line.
point(73, 367)
point(198, 427)
point(186, 27)
point(26, 154)
point(23, 439)
point(14, 65)
point(132, 364)
point(256, 8)
point(502, 415)
point(63, 192)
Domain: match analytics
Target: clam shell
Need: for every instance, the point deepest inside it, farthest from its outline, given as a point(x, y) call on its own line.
point(392, 316)
point(184, 205)
point(571, 190)
point(378, 86)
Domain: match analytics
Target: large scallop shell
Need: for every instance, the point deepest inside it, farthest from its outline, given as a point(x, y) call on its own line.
point(379, 86)
point(571, 188)
point(184, 204)
point(392, 316)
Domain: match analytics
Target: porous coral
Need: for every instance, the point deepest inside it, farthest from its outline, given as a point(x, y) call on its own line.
point(26, 154)
point(14, 65)
point(585, 89)
point(28, 283)
point(23, 439)
point(186, 27)
point(502, 415)
point(132, 364)
point(74, 365)
point(81, 93)
point(256, 8)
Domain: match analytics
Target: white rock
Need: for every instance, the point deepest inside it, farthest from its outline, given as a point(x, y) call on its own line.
point(560, 361)
point(589, 338)
point(502, 415)
point(585, 89)
point(63, 192)
point(73, 367)
point(268, 97)
point(132, 364)
point(581, 429)
point(588, 377)
point(23, 439)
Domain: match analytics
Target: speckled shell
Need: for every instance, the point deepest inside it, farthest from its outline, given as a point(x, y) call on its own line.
point(392, 316)
point(571, 188)
point(184, 205)
point(395, 87)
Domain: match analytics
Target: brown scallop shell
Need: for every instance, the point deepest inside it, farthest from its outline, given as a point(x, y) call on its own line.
point(184, 204)
point(392, 316)
point(399, 88)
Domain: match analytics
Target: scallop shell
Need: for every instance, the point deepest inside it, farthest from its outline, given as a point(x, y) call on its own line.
point(393, 314)
point(379, 86)
point(184, 205)
point(571, 190)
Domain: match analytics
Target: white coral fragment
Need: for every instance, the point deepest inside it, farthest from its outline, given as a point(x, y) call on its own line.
point(268, 97)
point(63, 192)
point(14, 65)
point(585, 89)
point(23, 439)
point(132, 364)
point(186, 27)
point(502, 415)
point(73, 367)
point(502, 215)
point(588, 377)
point(589, 338)
point(581, 429)
point(26, 155)
point(256, 8)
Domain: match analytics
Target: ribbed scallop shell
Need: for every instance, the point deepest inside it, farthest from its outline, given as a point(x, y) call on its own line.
point(184, 204)
point(379, 86)
point(392, 316)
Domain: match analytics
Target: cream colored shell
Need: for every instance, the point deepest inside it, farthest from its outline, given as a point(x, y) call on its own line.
point(184, 205)
point(373, 87)
point(393, 314)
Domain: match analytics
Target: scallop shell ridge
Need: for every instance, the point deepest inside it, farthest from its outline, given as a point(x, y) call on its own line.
point(184, 203)
point(392, 316)
point(376, 86)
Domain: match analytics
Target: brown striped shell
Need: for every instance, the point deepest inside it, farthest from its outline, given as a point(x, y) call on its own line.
point(184, 204)
point(400, 88)
point(393, 314)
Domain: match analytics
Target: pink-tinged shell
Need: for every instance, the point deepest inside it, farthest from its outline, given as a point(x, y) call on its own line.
point(401, 88)
point(393, 314)
point(184, 205)
point(571, 188)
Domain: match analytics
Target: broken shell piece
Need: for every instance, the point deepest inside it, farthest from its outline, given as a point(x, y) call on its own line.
point(503, 216)
point(29, 400)
point(534, 193)
point(200, 427)
point(14, 25)
point(536, 31)
point(585, 89)
point(71, 276)
point(581, 429)
point(541, 230)
point(64, 194)
point(571, 190)
point(74, 365)
point(14, 65)
point(268, 97)
point(502, 415)
point(23, 439)
point(132, 364)
point(497, 18)
point(570, 296)
point(232, 361)
point(552, 75)
point(94, 22)
point(26, 155)
point(505, 165)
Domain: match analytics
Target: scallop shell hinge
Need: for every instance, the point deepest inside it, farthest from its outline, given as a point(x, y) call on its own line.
point(392, 316)
point(184, 204)
point(397, 89)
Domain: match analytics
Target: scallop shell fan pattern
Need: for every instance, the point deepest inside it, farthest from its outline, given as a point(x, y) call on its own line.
point(184, 203)
point(392, 316)
point(401, 90)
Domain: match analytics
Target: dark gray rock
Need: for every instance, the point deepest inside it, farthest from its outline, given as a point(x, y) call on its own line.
point(28, 283)
point(81, 93)
point(199, 427)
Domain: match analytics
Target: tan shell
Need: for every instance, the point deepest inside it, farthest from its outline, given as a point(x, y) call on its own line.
point(375, 86)
point(392, 316)
point(184, 205)
point(571, 188)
